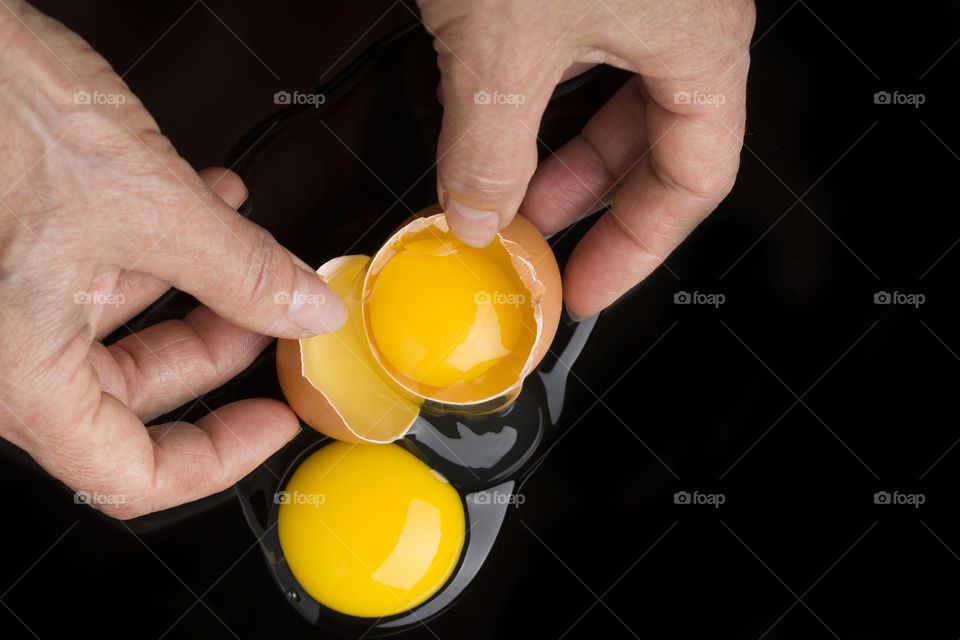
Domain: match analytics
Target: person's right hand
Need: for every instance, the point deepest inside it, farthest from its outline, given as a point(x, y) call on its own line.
point(659, 156)
point(98, 217)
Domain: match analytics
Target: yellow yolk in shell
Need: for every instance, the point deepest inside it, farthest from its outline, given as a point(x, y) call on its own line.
point(443, 314)
point(449, 321)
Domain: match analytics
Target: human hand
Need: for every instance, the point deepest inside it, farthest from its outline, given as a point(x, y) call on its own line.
point(98, 217)
point(665, 148)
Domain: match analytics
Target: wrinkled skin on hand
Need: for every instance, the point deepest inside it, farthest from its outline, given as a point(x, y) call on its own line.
point(98, 217)
point(663, 152)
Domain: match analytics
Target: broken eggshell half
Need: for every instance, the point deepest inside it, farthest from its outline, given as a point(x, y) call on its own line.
point(352, 385)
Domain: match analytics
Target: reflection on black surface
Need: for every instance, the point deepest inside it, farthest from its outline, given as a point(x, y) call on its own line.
point(477, 451)
point(483, 457)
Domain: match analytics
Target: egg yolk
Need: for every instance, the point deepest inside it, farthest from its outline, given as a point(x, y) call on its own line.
point(443, 313)
point(369, 530)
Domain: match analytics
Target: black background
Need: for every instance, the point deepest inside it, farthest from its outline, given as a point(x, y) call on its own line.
point(797, 399)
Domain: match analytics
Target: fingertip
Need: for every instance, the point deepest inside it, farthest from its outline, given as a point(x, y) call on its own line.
point(580, 305)
point(246, 432)
point(258, 416)
point(573, 316)
point(474, 227)
point(313, 306)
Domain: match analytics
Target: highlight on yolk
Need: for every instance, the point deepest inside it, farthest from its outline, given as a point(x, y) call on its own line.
point(447, 320)
point(368, 529)
point(434, 314)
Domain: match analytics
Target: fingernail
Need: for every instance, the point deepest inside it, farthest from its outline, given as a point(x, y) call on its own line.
point(313, 307)
point(472, 226)
point(573, 316)
point(297, 433)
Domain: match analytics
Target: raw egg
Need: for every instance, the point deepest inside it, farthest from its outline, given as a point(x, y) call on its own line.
point(432, 323)
point(369, 530)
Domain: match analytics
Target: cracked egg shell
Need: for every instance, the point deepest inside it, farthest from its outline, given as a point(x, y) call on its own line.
point(432, 325)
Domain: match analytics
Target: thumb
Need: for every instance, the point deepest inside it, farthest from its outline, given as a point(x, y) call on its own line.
point(493, 102)
point(233, 266)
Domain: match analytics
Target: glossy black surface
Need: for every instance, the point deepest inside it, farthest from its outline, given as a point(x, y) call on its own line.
point(798, 399)
point(484, 457)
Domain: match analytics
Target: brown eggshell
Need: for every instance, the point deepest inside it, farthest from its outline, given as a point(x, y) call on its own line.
point(529, 249)
point(525, 241)
point(537, 269)
point(305, 400)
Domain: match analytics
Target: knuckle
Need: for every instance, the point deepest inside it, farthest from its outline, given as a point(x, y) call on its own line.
point(489, 173)
point(642, 253)
point(264, 267)
point(716, 185)
point(708, 183)
point(483, 186)
point(735, 18)
point(745, 18)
